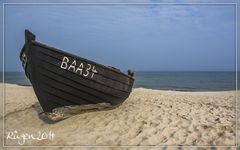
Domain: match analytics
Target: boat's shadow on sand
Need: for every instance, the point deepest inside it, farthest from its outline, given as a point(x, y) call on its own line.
point(65, 112)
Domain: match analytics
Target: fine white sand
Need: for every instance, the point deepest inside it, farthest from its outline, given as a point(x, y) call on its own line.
point(147, 117)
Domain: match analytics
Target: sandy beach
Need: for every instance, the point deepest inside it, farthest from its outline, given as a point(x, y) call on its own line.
point(147, 117)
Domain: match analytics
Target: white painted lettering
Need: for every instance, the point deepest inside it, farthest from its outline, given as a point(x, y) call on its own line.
point(80, 69)
point(89, 71)
point(64, 63)
point(93, 71)
point(72, 66)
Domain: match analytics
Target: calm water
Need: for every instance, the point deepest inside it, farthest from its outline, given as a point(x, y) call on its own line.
point(187, 81)
point(16, 78)
point(182, 81)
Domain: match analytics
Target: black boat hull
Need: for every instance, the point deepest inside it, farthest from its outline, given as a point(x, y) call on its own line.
point(62, 79)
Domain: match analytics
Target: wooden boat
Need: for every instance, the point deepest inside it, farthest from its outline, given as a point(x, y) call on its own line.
point(63, 79)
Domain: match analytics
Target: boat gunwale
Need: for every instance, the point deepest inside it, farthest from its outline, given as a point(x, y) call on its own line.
point(84, 59)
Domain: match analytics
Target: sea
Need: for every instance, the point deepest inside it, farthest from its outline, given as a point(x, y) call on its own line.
point(165, 80)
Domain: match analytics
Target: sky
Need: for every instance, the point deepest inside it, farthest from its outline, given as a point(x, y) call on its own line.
point(140, 37)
